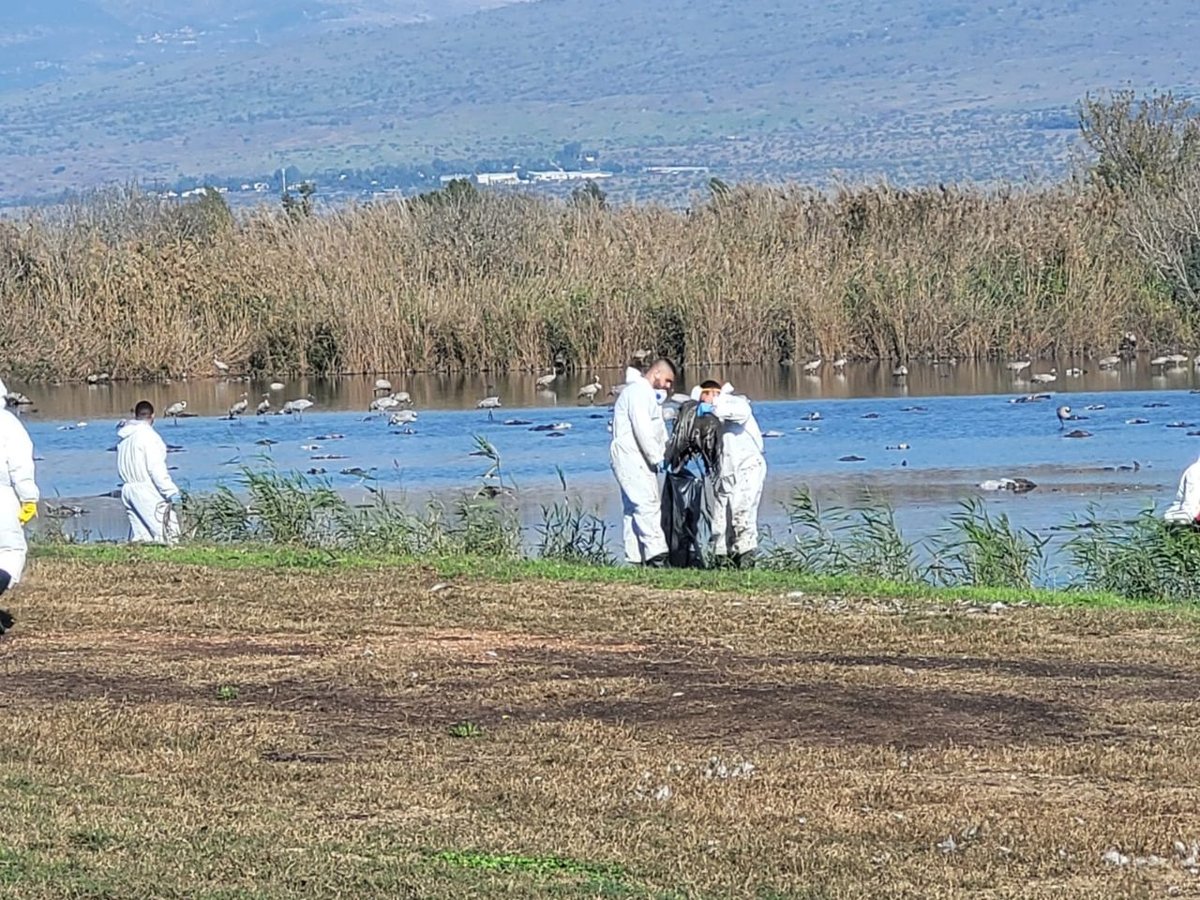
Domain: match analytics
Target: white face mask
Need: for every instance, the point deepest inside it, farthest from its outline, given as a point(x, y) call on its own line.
point(660, 396)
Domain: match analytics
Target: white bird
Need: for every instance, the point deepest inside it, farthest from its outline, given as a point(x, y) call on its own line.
point(383, 386)
point(589, 391)
point(297, 406)
point(383, 404)
point(544, 381)
point(1073, 373)
point(221, 367)
point(1045, 377)
point(840, 363)
point(1064, 415)
point(403, 398)
point(240, 407)
point(1160, 361)
point(403, 417)
point(265, 407)
point(900, 371)
point(175, 410)
point(276, 385)
point(1177, 359)
point(1110, 362)
point(811, 366)
point(1016, 366)
point(488, 403)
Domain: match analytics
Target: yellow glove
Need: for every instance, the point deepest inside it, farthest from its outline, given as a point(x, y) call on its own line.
point(28, 511)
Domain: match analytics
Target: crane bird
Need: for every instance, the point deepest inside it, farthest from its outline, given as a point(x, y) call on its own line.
point(589, 391)
point(264, 407)
point(1017, 366)
point(403, 398)
point(840, 363)
point(810, 367)
point(1045, 377)
point(383, 404)
point(222, 368)
point(403, 417)
point(298, 406)
point(545, 381)
point(488, 403)
point(175, 410)
point(240, 407)
point(383, 386)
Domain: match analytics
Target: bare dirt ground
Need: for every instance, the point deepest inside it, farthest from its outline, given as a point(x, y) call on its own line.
point(172, 731)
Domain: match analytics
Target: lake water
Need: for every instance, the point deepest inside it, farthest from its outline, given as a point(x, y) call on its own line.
point(958, 424)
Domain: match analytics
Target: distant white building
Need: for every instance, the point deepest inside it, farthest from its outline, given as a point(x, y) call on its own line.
point(563, 175)
point(676, 170)
point(484, 178)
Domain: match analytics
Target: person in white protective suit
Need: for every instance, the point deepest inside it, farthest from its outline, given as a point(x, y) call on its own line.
point(743, 471)
point(147, 489)
point(639, 442)
point(1186, 508)
point(18, 501)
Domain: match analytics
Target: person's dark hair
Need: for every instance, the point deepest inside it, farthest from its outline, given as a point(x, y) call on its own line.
point(663, 361)
point(144, 410)
point(710, 385)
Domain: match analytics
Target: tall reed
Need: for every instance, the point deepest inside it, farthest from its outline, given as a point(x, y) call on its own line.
point(140, 287)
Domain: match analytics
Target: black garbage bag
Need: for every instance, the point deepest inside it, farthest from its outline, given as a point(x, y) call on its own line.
point(695, 439)
point(686, 514)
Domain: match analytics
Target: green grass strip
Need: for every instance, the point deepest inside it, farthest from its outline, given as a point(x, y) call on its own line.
point(757, 581)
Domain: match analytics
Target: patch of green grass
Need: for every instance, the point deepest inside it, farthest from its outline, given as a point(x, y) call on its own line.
point(756, 581)
point(465, 730)
point(227, 692)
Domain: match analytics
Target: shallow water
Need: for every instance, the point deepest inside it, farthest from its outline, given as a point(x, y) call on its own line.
point(958, 423)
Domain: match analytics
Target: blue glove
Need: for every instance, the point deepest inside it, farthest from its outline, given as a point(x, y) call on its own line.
point(704, 409)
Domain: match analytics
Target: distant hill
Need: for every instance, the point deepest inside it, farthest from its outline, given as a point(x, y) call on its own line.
point(916, 89)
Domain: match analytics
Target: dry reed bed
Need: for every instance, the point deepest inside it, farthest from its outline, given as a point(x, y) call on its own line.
point(127, 284)
point(1038, 739)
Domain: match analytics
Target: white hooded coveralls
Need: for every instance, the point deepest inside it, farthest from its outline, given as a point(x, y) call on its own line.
point(1186, 508)
point(146, 485)
point(639, 443)
point(743, 473)
point(17, 486)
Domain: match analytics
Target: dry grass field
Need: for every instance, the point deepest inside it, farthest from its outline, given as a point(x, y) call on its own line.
point(187, 731)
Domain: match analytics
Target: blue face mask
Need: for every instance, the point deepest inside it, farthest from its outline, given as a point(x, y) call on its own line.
point(660, 397)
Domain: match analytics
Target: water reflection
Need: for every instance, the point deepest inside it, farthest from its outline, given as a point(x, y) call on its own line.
point(461, 391)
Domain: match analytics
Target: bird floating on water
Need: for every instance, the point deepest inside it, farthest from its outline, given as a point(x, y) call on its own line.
point(1045, 377)
point(383, 386)
point(900, 371)
point(810, 367)
point(276, 385)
